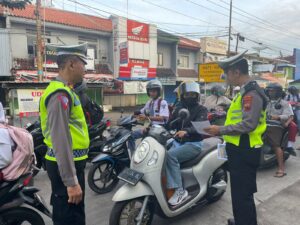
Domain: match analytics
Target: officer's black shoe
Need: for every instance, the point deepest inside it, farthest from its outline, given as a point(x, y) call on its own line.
point(291, 151)
point(230, 222)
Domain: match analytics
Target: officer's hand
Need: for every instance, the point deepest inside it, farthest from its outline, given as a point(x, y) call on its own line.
point(180, 134)
point(142, 117)
point(212, 130)
point(75, 194)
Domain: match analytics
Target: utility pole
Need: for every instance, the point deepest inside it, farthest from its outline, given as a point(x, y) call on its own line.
point(39, 58)
point(229, 37)
point(237, 42)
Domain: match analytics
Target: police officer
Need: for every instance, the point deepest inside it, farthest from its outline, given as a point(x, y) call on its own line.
point(66, 135)
point(244, 126)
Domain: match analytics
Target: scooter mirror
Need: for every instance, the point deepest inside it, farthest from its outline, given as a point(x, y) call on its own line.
point(184, 114)
point(122, 111)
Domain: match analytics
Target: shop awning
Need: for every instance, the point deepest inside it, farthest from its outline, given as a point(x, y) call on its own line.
point(29, 79)
point(166, 76)
point(187, 75)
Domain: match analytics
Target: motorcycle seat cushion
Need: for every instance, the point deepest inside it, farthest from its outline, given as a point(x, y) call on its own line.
point(208, 145)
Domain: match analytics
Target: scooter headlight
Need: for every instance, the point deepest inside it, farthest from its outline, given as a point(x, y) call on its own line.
point(106, 148)
point(141, 152)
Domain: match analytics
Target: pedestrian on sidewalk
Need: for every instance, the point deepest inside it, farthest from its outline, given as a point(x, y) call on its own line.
point(66, 135)
point(243, 130)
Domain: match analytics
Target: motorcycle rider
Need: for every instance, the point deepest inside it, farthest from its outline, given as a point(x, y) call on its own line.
point(6, 143)
point(278, 113)
point(217, 98)
point(294, 96)
point(187, 143)
point(157, 107)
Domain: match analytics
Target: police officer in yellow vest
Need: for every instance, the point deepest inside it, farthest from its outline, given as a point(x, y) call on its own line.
point(243, 130)
point(66, 135)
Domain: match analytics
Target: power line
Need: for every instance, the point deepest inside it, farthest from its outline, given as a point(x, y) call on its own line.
point(177, 12)
point(257, 18)
point(217, 33)
point(242, 21)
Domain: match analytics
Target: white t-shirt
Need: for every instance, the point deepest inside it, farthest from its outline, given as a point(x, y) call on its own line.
point(152, 106)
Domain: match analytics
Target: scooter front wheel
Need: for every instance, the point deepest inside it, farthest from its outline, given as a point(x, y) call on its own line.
point(102, 177)
point(21, 215)
point(126, 212)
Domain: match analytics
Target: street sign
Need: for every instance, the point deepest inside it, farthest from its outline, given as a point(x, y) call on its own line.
point(210, 72)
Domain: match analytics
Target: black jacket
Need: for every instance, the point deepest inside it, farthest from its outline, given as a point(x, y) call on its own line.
point(197, 113)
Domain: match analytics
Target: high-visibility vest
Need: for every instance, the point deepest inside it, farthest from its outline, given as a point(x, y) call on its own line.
point(235, 116)
point(77, 123)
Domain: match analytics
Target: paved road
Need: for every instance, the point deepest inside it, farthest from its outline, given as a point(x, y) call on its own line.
point(270, 200)
point(278, 200)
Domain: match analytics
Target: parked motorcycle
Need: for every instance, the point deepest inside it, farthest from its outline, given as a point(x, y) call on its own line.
point(145, 192)
point(115, 156)
point(14, 196)
point(40, 149)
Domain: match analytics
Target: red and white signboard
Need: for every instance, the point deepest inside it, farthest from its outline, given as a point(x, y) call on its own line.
point(137, 69)
point(123, 53)
point(137, 31)
point(28, 100)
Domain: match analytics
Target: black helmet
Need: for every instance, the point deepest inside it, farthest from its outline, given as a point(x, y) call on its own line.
point(293, 90)
point(276, 87)
point(154, 85)
point(187, 87)
point(217, 90)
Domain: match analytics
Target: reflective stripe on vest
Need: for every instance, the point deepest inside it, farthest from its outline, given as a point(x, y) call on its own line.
point(78, 155)
point(77, 122)
point(235, 116)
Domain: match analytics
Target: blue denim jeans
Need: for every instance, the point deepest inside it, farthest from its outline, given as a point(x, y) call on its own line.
point(179, 153)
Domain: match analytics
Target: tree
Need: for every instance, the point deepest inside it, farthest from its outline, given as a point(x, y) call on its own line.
point(14, 4)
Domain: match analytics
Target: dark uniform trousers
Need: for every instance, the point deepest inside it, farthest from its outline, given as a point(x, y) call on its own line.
point(243, 162)
point(63, 212)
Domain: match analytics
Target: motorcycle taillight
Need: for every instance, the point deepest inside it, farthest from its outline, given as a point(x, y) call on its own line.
point(108, 123)
point(210, 116)
point(27, 180)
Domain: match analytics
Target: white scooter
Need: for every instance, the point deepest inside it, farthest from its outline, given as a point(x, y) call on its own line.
point(144, 193)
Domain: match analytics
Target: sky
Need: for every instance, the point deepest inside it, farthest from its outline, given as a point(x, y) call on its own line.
point(270, 27)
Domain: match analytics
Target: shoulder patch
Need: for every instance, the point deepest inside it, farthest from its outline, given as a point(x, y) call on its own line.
point(64, 101)
point(247, 103)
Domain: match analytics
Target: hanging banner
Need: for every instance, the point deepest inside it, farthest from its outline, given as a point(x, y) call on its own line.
point(135, 87)
point(29, 99)
point(124, 53)
point(137, 31)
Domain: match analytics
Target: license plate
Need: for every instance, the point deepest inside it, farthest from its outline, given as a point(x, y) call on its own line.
point(130, 176)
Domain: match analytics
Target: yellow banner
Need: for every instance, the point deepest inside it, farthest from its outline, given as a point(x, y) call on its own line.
point(210, 72)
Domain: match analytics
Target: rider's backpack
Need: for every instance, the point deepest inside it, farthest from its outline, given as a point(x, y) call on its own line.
point(171, 108)
point(22, 154)
point(92, 111)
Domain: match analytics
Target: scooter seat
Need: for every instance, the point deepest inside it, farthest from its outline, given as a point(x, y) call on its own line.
point(209, 145)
